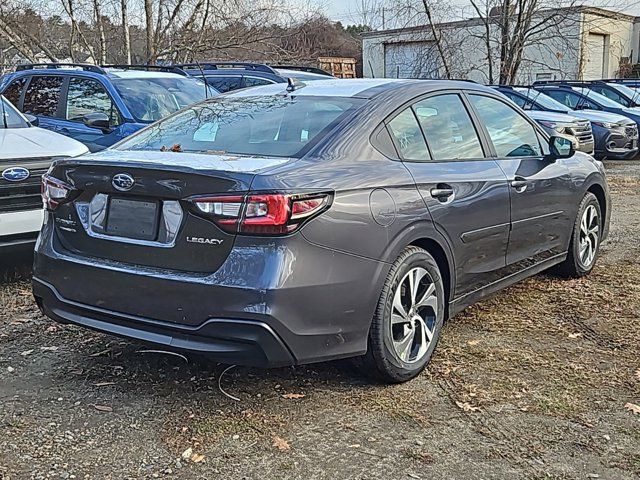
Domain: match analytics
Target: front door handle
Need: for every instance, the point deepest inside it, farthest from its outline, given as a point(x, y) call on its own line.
point(519, 184)
point(442, 192)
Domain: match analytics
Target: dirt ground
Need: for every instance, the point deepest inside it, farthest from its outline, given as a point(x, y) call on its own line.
point(532, 383)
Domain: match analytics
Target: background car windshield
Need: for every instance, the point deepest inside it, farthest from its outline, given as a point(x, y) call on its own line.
point(542, 99)
point(601, 99)
point(625, 90)
point(11, 115)
point(150, 99)
point(271, 125)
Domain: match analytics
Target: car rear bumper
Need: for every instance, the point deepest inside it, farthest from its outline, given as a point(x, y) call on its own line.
point(242, 342)
point(282, 302)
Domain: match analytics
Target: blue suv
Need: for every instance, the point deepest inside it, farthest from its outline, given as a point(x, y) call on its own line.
point(100, 106)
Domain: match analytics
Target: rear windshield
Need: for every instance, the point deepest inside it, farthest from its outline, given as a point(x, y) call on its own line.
point(282, 126)
point(150, 99)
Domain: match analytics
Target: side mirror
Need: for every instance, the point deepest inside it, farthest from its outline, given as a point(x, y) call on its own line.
point(560, 147)
point(97, 120)
point(32, 119)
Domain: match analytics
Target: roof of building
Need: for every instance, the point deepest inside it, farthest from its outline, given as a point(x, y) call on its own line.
point(474, 21)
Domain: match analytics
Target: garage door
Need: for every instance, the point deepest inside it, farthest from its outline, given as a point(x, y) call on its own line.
point(411, 60)
point(595, 57)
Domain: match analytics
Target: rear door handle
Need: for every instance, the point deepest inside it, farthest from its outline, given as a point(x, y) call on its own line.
point(442, 192)
point(520, 184)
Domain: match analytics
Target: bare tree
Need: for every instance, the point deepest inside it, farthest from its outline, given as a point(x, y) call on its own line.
point(126, 32)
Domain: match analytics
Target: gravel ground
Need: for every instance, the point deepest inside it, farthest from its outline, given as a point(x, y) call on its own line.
point(538, 382)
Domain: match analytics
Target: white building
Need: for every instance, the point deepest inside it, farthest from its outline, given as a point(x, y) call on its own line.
point(586, 43)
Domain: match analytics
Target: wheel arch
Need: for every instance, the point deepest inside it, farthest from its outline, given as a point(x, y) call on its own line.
point(444, 261)
point(600, 194)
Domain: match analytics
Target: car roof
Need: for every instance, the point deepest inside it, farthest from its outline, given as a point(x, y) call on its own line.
point(110, 72)
point(121, 73)
point(357, 87)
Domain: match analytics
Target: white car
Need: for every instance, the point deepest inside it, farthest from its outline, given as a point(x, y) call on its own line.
point(26, 152)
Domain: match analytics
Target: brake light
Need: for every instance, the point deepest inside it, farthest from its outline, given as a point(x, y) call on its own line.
point(262, 214)
point(54, 192)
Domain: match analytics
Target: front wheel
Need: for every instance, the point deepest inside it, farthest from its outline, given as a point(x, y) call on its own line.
point(585, 239)
point(408, 319)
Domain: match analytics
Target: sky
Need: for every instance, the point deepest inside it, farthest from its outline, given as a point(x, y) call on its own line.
point(345, 11)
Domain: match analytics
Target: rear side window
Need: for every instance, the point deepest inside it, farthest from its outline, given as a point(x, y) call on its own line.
point(224, 84)
point(13, 92)
point(511, 134)
point(408, 136)
point(89, 96)
point(43, 96)
point(449, 130)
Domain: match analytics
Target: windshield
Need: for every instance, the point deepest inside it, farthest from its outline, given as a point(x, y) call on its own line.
point(601, 99)
point(9, 116)
point(152, 98)
point(539, 97)
point(625, 90)
point(280, 126)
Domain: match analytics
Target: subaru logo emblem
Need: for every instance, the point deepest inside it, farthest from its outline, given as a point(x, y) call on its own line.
point(15, 174)
point(122, 182)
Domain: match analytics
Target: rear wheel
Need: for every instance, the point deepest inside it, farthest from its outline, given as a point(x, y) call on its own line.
point(585, 239)
point(408, 319)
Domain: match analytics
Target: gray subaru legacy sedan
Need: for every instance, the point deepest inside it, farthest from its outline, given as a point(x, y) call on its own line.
point(285, 225)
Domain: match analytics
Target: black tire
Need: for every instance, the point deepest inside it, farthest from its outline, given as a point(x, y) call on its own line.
point(574, 266)
point(382, 360)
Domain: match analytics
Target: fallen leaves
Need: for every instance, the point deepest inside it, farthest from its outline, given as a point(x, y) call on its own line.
point(26, 352)
point(189, 454)
point(575, 335)
point(633, 408)
point(467, 407)
point(103, 408)
point(281, 444)
point(290, 396)
point(473, 342)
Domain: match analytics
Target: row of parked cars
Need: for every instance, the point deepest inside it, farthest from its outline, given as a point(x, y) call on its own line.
point(295, 221)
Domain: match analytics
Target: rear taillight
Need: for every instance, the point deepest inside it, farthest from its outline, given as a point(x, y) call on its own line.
point(262, 214)
point(54, 192)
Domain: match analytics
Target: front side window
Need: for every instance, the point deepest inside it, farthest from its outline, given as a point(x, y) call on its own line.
point(511, 134)
point(408, 137)
point(264, 126)
point(43, 96)
point(89, 96)
point(449, 130)
point(13, 92)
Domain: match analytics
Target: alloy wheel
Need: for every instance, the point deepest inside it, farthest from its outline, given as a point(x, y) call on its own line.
point(589, 236)
point(413, 315)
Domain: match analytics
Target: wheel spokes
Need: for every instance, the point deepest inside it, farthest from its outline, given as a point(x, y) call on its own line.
point(428, 299)
point(403, 347)
point(410, 333)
